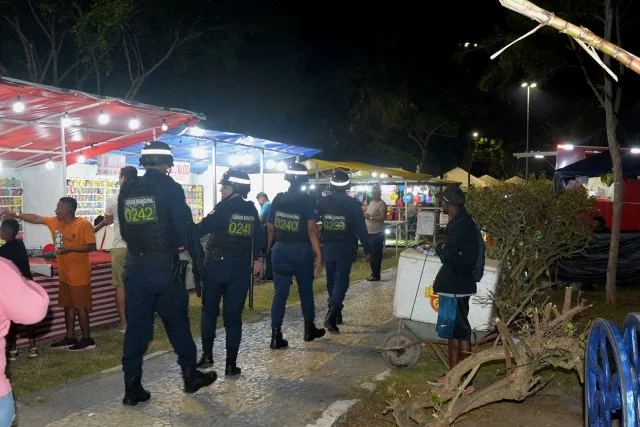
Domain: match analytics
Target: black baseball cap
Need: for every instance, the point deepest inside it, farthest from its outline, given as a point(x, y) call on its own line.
point(452, 195)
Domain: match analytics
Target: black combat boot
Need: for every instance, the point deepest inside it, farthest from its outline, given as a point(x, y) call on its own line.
point(194, 380)
point(232, 357)
point(277, 341)
point(330, 322)
point(206, 361)
point(311, 332)
point(133, 391)
point(339, 320)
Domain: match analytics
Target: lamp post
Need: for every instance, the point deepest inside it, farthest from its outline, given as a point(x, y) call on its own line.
point(475, 136)
point(529, 87)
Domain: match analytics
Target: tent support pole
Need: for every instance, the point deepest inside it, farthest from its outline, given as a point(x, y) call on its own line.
point(215, 178)
point(63, 148)
point(153, 133)
point(406, 218)
point(262, 170)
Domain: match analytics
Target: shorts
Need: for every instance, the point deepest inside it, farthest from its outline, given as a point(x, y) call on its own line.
point(74, 296)
point(118, 260)
point(7, 410)
point(462, 329)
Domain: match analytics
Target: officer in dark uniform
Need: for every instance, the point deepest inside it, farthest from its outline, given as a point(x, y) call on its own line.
point(342, 225)
point(293, 226)
point(235, 242)
point(154, 221)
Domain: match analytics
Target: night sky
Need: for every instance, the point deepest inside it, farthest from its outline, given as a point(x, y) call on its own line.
point(287, 73)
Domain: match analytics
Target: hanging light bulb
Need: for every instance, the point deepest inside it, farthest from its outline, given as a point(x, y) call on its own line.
point(103, 118)
point(312, 187)
point(66, 120)
point(235, 160)
point(282, 166)
point(18, 106)
point(271, 164)
point(81, 158)
point(134, 123)
point(164, 125)
point(374, 174)
point(303, 188)
point(247, 159)
point(49, 165)
point(199, 152)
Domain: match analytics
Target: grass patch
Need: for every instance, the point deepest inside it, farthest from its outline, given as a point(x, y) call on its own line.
point(56, 367)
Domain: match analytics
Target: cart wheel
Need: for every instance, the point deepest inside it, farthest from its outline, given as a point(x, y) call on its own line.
point(407, 358)
point(609, 381)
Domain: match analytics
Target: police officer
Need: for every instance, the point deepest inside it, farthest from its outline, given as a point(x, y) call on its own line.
point(342, 225)
point(154, 219)
point(292, 225)
point(235, 242)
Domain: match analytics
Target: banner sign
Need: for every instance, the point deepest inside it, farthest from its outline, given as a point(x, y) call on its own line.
point(110, 164)
point(180, 172)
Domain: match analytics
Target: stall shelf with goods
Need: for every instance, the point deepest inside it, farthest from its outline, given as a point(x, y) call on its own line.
point(91, 195)
point(11, 193)
point(104, 313)
point(195, 199)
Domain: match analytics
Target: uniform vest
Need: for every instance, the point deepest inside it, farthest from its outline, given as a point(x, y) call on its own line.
point(145, 222)
point(338, 222)
point(290, 220)
point(235, 235)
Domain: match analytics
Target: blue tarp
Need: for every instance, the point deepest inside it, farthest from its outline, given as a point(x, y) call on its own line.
point(184, 140)
point(598, 165)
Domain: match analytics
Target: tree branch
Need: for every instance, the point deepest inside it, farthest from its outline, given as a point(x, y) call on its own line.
point(595, 90)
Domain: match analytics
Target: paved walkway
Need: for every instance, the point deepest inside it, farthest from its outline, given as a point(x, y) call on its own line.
point(289, 388)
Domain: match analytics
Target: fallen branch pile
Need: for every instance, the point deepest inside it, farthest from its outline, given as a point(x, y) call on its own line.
point(551, 341)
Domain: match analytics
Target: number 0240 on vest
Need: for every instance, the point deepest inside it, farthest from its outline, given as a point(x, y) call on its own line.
point(285, 221)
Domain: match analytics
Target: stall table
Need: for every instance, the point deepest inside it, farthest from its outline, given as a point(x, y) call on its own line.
point(104, 313)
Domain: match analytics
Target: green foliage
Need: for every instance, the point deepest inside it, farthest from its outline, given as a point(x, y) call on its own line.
point(530, 227)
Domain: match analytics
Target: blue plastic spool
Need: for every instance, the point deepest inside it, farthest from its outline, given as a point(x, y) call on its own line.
point(611, 383)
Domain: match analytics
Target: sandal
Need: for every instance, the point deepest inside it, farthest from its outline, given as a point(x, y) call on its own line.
point(12, 355)
point(33, 353)
point(372, 278)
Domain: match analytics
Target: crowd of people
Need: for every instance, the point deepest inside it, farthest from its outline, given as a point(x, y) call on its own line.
point(152, 220)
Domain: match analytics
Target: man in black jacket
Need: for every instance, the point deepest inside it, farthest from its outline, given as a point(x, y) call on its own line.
point(459, 256)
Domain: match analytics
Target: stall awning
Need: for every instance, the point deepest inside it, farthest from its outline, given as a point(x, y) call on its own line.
point(325, 165)
point(232, 149)
point(31, 117)
point(600, 164)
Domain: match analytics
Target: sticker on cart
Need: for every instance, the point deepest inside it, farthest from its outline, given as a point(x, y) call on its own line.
point(434, 300)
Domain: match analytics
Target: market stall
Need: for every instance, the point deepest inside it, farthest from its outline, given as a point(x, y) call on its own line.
point(44, 131)
point(410, 197)
point(45, 273)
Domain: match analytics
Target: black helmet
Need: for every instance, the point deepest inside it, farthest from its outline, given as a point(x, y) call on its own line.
point(238, 180)
point(297, 173)
point(340, 181)
point(156, 153)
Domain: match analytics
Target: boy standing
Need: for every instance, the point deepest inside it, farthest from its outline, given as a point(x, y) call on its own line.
point(74, 268)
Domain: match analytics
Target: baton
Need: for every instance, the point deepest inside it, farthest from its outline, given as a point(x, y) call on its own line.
point(251, 282)
point(194, 257)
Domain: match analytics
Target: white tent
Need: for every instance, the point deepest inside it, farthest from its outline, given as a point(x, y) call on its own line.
point(488, 179)
point(462, 176)
point(516, 180)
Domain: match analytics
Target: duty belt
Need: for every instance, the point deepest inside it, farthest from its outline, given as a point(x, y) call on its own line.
point(218, 254)
point(156, 257)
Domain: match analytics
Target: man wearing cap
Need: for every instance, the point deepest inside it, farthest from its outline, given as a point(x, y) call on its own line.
point(459, 256)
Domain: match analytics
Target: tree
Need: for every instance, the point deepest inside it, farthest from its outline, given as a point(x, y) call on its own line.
point(609, 94)
point(396, 119)
point(47, 40)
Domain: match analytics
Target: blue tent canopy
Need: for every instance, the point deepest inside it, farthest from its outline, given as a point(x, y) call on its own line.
point(600, 164)
point(194, 145)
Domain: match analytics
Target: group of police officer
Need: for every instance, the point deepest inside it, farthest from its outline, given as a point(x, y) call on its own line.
point(155, 220)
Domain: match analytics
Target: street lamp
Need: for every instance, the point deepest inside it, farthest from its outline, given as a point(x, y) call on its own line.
point(529, 87)
point(475, 136)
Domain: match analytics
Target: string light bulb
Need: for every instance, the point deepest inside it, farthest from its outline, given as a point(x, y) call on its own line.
point(81, 158)
point(282, 166)
point(49, 165)
point(271, 164)
point(66, 120)
point(165, 127)
point(103, 118)
point(134, 123)
point(18, 106)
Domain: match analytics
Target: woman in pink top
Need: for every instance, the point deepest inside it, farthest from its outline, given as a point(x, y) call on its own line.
point(21, 301)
